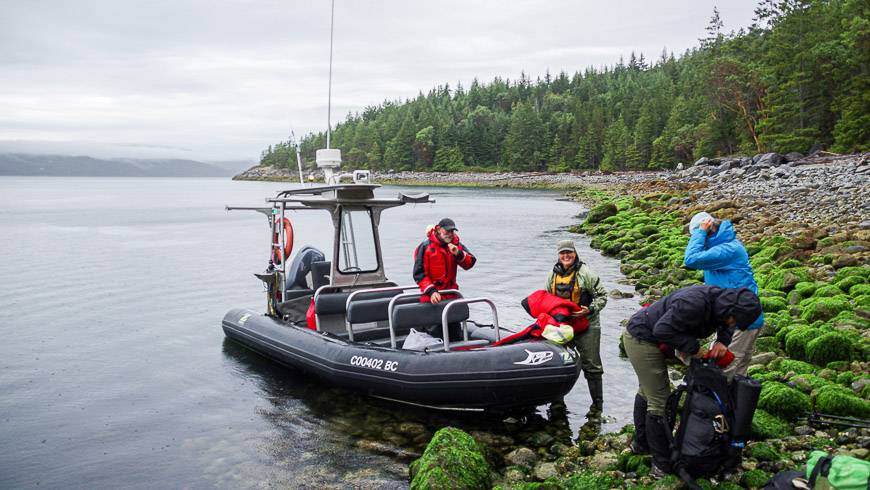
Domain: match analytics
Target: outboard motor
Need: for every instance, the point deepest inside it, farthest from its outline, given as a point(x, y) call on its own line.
point(301, 266)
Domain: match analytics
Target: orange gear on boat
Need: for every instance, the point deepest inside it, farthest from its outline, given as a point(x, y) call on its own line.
point(288, 241)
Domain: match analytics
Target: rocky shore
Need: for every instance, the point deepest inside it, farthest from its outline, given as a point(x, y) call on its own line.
point(806, 224)
point(469, 179)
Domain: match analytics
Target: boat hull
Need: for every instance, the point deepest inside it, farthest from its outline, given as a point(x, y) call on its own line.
point(524, 374)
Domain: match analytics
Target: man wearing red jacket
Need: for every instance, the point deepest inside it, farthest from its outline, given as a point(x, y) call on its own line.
point(435, 261)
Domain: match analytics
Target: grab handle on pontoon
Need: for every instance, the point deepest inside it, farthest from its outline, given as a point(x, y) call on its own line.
point(397, 297)
point(444, 317)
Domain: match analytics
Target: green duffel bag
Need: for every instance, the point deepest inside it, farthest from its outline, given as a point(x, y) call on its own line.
point(837, 472)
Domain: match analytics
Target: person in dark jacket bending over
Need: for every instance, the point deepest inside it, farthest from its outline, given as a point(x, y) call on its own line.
point(572, 279)
point(435, 262)
point(715, 249)
point(678, 321)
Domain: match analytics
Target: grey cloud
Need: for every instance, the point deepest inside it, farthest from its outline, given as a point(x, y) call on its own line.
point(225, 79)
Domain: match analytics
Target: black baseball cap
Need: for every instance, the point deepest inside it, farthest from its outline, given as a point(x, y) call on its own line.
point(447, 224)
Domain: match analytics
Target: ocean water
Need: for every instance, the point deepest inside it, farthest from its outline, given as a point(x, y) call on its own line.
point(114, 371)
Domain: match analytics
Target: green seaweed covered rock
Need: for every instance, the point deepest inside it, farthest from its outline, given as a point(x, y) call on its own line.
point(451, 460)
point(827, 291)
point(823, 308)
point(847, 283)
point(766, 344)
point(601, 212)
point(796, 340)
point(838, 400)
point(755, 479)
point(786, 279)
point(829, 347)
point(773, 303)
point(783, 401)
point(797, 367)
point(763, 451)
point(806, 288)
point(767, 426)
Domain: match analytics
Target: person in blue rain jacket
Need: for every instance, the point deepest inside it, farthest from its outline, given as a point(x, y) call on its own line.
point(714, 248)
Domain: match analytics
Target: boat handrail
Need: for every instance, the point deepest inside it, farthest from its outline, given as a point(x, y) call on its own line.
point(397, 297)
point(354, 295)
point(317, 293)
point(360, 292)
point(462, 301)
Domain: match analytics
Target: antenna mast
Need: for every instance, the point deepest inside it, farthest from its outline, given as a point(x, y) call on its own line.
point(329, 99)
point(298, 155)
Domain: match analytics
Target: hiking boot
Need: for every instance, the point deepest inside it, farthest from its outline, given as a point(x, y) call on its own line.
point(638, 442)
point(657, 472)
point(637, 447)
point(659, 441)
point(596, 392)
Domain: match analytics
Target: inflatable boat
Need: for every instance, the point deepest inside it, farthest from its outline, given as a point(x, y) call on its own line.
point(341, 319)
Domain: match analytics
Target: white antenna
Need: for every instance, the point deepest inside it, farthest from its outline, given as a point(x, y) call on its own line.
point(329, 99)
point(298, 155)
point(329, 159)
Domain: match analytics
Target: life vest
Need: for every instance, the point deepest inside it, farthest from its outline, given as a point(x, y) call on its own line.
point(567, 286)
point(435, 267)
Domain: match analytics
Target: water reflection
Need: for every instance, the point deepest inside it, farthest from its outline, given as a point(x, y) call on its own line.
point(340, 419)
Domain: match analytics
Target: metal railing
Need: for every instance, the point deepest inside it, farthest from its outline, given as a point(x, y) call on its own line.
point(355, 295)
point(408, 295)
point(461, 301)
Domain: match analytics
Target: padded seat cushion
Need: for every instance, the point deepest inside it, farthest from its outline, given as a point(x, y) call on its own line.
point(419, 315)
point(373, 309)
point(336, 303)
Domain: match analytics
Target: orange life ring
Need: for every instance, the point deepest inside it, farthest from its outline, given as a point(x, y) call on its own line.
point(288, 241)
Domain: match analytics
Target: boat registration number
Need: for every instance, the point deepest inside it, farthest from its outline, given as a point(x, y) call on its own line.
point(373, 363)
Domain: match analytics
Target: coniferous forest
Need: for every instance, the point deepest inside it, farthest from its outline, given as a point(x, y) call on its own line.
point(797, 80)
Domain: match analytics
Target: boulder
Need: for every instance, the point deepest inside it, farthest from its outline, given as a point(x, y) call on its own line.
point(545, 470)
point(601, 212)
point(783, 401)
point(451, 460)
point(762, 359)
point(521, 456)
point(792, 156)
point(603, 460)
point(707, 161)
point(768, 160)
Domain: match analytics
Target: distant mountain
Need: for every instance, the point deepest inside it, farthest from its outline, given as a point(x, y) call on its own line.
point(82, 166)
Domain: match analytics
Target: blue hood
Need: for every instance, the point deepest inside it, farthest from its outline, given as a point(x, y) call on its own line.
point(724, 235)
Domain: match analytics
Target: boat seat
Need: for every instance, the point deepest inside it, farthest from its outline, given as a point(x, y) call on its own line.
point(422, 315)
point(320, 272)
point(374, 308)
point(336, 303)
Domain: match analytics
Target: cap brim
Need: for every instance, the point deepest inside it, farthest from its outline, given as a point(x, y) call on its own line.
point(566, 250)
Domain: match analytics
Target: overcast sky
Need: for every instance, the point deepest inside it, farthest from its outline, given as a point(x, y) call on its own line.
point(221, 80)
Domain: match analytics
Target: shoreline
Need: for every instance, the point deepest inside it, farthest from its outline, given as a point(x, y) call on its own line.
point(807, 229)
point(512, 180)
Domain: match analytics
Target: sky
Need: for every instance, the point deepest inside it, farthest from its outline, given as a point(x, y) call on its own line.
point(222, 80)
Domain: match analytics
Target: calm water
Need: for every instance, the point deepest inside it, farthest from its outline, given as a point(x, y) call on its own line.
point(114, 370)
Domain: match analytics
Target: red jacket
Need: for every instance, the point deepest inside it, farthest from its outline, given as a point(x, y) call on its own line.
point(435, 266)
point(548, 309)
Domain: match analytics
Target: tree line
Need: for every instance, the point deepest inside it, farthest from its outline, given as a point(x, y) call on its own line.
point(798, 79)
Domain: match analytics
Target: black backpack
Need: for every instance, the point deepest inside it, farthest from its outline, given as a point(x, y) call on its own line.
point(702, 445)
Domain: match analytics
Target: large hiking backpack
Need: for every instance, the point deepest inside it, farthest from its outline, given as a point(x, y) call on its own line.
point(702, 446)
